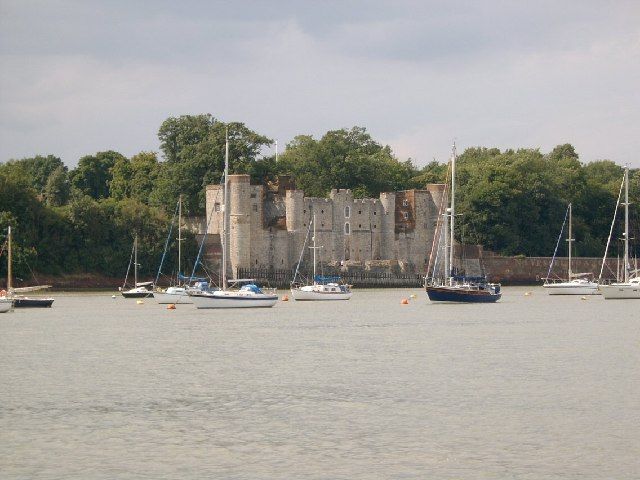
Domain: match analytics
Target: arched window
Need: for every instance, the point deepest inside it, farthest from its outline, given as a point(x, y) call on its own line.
point(347, 228)
point(347, 211)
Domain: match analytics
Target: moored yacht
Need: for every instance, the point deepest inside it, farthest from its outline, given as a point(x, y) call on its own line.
point(322, 288)
point(629, 287)
point(242, 293)
point(452, 287)
point(576, 283)
point(139, 289)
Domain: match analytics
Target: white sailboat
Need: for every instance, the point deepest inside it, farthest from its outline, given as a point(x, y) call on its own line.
point(241, 293)
point(140, 289)
point(320, 289)
point(629, 288)
point(14, 295)
point(178, 293)
point(576, 283)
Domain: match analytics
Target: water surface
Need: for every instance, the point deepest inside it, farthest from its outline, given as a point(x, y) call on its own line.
point(531, 387)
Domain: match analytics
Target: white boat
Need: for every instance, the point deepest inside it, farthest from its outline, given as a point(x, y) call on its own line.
point(172, 295)
point(140, 289)
point(577, 283)
point(320, 289)
point(629, 287)
point(248, 295)
point(577, 286)
point(234, 293)
point(178, 293)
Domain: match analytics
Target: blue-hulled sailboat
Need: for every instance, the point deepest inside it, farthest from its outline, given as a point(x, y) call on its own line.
point(452, 287)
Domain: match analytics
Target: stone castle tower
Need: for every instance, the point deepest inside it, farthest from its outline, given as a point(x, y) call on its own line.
point(269, 223)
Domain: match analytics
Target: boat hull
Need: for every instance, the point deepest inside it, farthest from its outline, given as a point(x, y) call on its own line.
point(462, 295)
point(27, 302)
point(569, 289)
point(620, 292)
point(167, 298)
point(226, 300)
point(137, 294)
point(301, 295)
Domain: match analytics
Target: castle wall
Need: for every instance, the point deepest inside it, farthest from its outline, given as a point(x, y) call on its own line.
point(268, 226)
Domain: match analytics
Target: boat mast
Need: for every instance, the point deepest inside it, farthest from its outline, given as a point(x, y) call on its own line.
point(9, 273)
point(626, 224)
point(314, 248)
point(179, 235)
point(225, 221)
point(453, 209)
point(135, 261)
point(570, 239)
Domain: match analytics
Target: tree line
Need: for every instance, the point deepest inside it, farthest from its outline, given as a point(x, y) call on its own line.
point(83, 219)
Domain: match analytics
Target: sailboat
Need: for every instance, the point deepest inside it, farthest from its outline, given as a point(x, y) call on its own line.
point(576, 283)
point(629, 288)
point(457, 288)
point(239, 293)
point(14, 296)
point(322, 288)
point(140, 289)
point(177, 293)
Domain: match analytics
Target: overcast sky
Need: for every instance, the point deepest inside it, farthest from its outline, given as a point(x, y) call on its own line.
point(79, 77)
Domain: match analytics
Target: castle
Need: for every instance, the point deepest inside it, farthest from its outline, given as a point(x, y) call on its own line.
point(269, 224)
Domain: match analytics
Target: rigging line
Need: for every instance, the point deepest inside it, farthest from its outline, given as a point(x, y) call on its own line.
point(129, 267)
point(606, 250)
point(304, 245)
point(553, 259)
point(433, 259)
point(166, 244)
point(204, 237)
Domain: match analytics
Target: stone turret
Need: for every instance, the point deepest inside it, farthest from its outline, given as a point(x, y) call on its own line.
point(240, 221)
point(388, 225)
point(294, 201)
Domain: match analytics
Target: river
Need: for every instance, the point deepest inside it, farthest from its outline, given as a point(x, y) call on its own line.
point(531, 387)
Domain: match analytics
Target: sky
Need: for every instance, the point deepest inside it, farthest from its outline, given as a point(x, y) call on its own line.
point(77, 77)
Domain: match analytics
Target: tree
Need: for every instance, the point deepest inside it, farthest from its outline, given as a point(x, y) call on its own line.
point(36, 169)
point(93, 174)
point(193, 148)
point(56, 190)
point(346, 158)
point(134, 178)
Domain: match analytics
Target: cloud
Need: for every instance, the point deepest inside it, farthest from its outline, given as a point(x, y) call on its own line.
point(78, 77)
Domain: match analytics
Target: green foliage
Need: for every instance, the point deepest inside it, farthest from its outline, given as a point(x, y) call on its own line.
point(57, 189)
point(512, 201)
point(194, 149)
point(36, 170)
point(344, 159)
point(93, 174)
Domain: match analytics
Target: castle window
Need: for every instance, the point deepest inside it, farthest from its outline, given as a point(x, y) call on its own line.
point(405, 203)
point(347, 228)
point(255, 208)
point(347, 211)
point(322, 225)
point(375, 226)
point(359, 212)
point(304, 211)
point(405, 215)
point(321, 211)
point(217, 207)
point(360, 226)
point(375, 213)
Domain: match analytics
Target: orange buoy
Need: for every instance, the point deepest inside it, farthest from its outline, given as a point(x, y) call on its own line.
point(404, 301)
point(285, 298)
point(171, 306)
